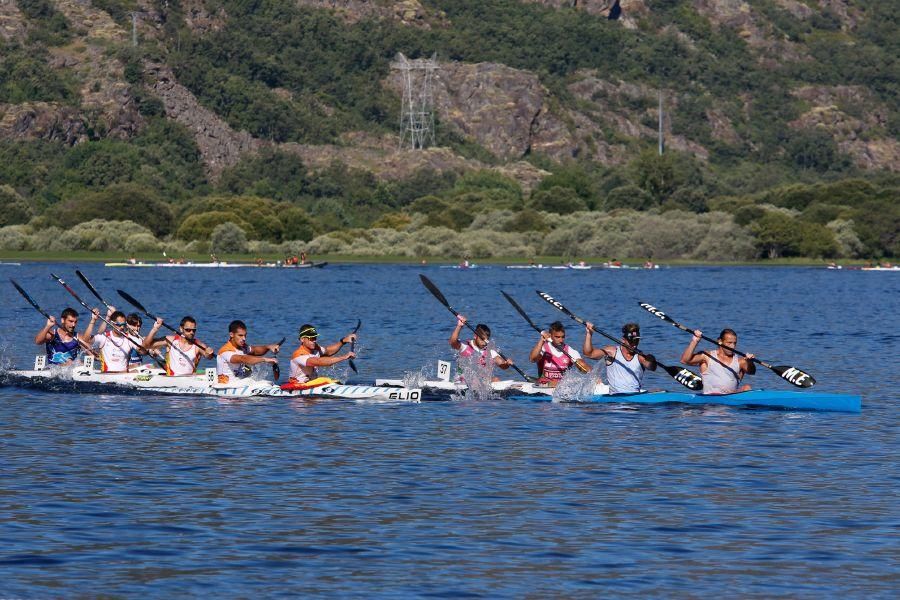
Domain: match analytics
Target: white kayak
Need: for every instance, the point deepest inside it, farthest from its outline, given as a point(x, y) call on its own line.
point(154, 381)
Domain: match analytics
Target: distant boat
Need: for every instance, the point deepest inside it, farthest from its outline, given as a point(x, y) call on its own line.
point(217, 265)
point(10, 264)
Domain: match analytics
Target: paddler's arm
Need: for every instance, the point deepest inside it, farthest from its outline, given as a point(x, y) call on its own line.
point(150, 340)
point(748, 365)
point(87, 336)
point(261, 350)
point(503, 364)
point(588, 347)
point(335, 347)
point(109, 313)
point(689, 357)
point(43, 336)
point(536, 352)
point(648, 361)
point(327, 361)
point(454, 337)
point(252, 359)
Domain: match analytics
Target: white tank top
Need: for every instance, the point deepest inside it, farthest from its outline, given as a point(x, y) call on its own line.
point(114, 352)
point(719, 379)
point(624, 376)
point(179, 361)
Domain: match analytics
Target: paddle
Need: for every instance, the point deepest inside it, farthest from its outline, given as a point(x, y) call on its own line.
point(137, 342)
point(792, 375)
point(276, 370)
point(133, 301)
point(440, 297)
point(46, 314)
point(353, 345)
point(687, 378)
point(91, 288)
point(535, 327)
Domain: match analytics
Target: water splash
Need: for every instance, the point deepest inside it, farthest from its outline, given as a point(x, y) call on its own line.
point(476, 376)
point(577, 387)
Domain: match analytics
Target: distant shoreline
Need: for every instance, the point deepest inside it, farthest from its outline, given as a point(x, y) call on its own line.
point(104, 257)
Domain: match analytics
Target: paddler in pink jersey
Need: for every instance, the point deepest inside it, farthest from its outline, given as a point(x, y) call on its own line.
point(477, 346)
point(554, 357)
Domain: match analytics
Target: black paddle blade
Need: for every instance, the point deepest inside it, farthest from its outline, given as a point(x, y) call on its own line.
point(434, 291)
point(519, 309)
point(90, 287)
point(686, 378)
point(132, 301)
point(276, 371)
point(795, 376)
point(30, 300)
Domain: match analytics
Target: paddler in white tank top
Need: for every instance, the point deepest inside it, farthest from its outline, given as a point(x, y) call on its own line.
point(477, 347)
point(722, 370)
point(185, 351)
point(624, 367)
point(115, 349)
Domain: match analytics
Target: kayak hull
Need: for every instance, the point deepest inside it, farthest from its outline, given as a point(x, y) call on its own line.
point(504, 387)
point(790, 400)
point(154, 381)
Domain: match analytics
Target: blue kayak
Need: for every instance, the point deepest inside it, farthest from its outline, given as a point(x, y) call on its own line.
point(767, 398)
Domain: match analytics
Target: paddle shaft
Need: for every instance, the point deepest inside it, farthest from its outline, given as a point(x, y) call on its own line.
point(685, 377)
point(790, 374)
point(437, 294)
point(133, 301)
point(37, 307)
point(521, 311)
point(276, 370)
point(133, 340)
point(353, 346)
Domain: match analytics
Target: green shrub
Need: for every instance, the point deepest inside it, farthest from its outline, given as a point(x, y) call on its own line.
point(200, 226)
point(228, 238)
point(13, 208)
point(122, 202)
point(559, 200)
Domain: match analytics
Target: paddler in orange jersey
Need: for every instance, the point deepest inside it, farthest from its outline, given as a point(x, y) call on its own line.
point(311, 355)
point(236, 356)
point(184, 352)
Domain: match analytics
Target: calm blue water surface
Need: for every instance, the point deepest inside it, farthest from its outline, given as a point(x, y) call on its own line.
point(114, 495)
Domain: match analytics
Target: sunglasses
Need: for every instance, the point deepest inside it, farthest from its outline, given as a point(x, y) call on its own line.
point(120, 323)
point(189, 329)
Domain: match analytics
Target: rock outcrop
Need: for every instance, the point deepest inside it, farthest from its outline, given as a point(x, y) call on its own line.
point(850, 114)
point(42, 121)
point(12, 22)
point(220, 145)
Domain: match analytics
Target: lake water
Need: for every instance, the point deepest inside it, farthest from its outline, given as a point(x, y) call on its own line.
point(115, 495)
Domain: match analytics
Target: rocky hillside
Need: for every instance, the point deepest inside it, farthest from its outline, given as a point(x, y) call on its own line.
point(509, 112)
